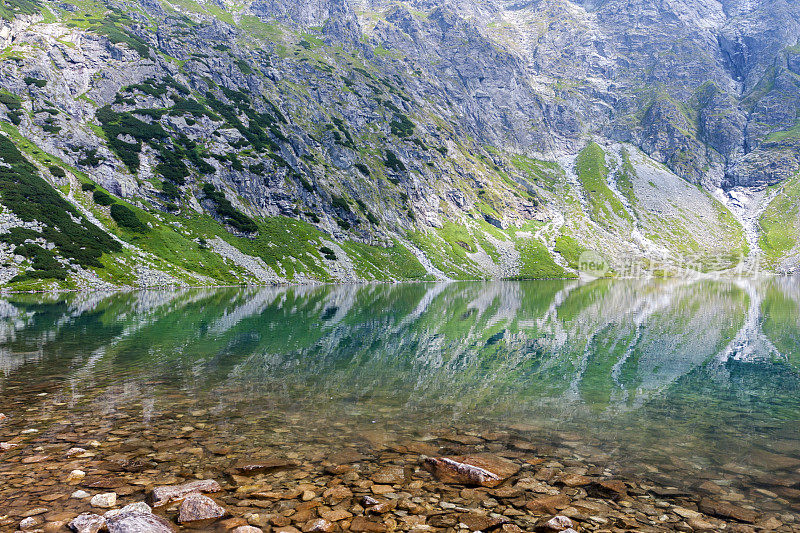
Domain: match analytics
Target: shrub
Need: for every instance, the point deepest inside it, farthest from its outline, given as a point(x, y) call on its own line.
point(118, 35)
point(117, 124)
point(172, 167)
point(340, 203)
point(101, 198)
point(393, 162)
point(31, 198)
point(363, 168)
point(11, 101)
point(90, 158)
point(329, 254)
point(170, 191)
point(29, 80)
point(227, 212)
point(57, 171)
point(401, 126)
point(87, 186)
point(126, 218)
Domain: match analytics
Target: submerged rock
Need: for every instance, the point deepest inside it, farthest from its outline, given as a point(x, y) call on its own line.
point(482, 470)
point(727, 510)
point(257, 466)
point(607, 489)
point(165, 494)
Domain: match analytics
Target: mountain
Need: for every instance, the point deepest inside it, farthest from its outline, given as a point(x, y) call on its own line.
point(198, 142)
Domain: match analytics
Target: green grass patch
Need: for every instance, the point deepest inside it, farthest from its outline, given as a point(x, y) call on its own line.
point(592, 173)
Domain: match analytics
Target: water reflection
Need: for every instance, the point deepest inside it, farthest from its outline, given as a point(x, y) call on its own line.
point(706, 372)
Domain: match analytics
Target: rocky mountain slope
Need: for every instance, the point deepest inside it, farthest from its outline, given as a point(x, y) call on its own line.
point(233, 141)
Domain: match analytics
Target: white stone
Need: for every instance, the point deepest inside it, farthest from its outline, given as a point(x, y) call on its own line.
point(76, 475)
point(27, 523)
point(106, 500)
point(80, 494)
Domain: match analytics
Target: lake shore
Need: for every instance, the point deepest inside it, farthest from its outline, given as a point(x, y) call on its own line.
point(362, 481)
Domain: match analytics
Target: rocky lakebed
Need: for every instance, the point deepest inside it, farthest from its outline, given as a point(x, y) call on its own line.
point(123, 475)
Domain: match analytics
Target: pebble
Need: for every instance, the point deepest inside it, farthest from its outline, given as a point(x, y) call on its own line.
point(79, 495)
point(75, 476)
point(28, 523)
point(105, 500)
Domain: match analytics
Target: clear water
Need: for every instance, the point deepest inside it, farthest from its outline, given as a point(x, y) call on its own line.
point(671, 382)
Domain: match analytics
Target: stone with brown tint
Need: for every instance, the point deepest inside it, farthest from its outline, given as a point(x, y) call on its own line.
point(548, 504)
point(575, 480)
point(231, 523)
point(556, 523)
point(727, 510)
point(336, 494)
point(35, 459)
point(334, 515)
point(476, 521)
point(197, 508)
point(391, 475)
point(607, 489)
point(172, 493)
point(382, 508)
point(363, 525)
point(318, 525)
point(249, 467)
point(483, 470)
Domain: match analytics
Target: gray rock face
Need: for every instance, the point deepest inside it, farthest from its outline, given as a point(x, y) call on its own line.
point(293, 108)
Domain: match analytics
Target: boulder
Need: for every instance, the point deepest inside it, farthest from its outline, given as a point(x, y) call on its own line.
point(87, 523)
point(482, 470)
point(197, 508)
point(133, 522)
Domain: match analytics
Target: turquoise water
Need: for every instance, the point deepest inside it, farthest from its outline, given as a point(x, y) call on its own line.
point(674, 382)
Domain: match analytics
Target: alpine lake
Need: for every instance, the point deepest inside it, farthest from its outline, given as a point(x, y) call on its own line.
point(617, 405)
